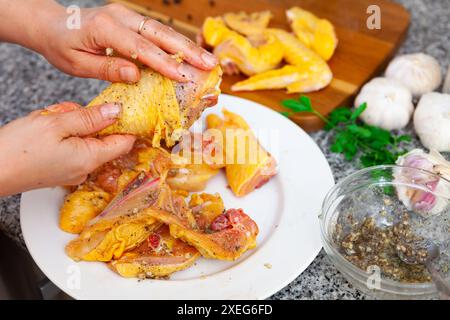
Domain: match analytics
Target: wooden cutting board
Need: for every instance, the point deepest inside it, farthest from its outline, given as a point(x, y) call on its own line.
point(361, 53)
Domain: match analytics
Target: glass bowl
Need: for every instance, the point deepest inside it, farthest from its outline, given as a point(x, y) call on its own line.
point(369, 215)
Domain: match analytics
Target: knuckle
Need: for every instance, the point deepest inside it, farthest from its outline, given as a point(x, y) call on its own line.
point(106, 68)
point(75, 68)
point(157, 27)
point(142, 45)
point(100, 20)
point(115, 7)
point(87, 118)
point(51, 123)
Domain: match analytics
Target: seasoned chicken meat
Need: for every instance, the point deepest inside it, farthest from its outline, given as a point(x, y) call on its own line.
point(158, 256)
point(248, 166)
point(157, 107)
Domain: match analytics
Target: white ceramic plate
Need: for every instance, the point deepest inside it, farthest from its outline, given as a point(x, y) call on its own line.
point(286, 210)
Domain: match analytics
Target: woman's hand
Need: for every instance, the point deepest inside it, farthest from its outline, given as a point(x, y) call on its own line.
point(51, 147)
point(82, 52)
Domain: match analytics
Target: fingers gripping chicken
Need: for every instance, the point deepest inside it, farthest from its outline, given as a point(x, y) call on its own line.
point(157, 107)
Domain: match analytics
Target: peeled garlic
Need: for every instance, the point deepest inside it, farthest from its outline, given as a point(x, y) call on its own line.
point(389, 103)
point(447, 82)
point(432, 121)
point(419, 72)
point(422, 201)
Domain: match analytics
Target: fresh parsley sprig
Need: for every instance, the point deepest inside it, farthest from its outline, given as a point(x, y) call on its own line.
point(352, 138)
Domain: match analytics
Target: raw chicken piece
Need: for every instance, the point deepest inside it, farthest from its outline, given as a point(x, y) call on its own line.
point(91, 197)
point(248, 24)
point(159, 256)
point(315, 33)
point(251, 55)
point(121, 226)
point(248, 166)
point(306, 71)
point(157, 108)
point(81, 206)
point(206, 208)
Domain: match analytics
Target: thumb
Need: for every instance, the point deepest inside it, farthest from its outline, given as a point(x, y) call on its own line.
point(86, 121)
point(112, 69)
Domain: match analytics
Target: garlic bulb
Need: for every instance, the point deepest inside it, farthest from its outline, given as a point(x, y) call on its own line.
point(424, 202)
point(432, 121)
point(419, 72)
point(447, 82)
point(389, 103)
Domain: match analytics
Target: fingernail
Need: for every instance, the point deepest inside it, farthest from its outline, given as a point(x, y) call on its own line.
point(110, 111)
point(209, 59)
point(185, 71)
point(128, 74)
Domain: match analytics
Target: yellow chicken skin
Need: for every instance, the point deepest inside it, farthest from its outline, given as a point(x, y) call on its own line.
point(122, 226)
point(315, 33)
point(227, 237)
point(90, 198)
point(157, 108)
point(159, 256)
point(250, 55)
point(81, 206)
point(306, 72)
point(248, 166)
point(248, 24)
point(191, 177)
point(191, 169)
point(206, 208)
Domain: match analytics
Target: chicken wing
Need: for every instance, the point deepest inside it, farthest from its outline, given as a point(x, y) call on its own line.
point(306, 71)
point(251, 55)
point(315, 33)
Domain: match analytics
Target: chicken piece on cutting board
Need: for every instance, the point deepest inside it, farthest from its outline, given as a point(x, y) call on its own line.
point(315, 33)
point(306, 70)
point(253, 54)
point(248, 24)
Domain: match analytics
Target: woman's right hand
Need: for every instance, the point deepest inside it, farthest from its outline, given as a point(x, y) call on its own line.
point(52, 147)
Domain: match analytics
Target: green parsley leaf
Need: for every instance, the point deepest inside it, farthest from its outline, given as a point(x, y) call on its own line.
point(352, 138)
point(357, 112)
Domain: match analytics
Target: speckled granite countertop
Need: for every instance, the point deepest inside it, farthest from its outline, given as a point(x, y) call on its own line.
point(27, 82)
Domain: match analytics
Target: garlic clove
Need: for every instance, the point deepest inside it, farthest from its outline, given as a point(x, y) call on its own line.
point(389, 103)
point(419, 72)
point(447, 82)
point(423, 202)
point(432, 121)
